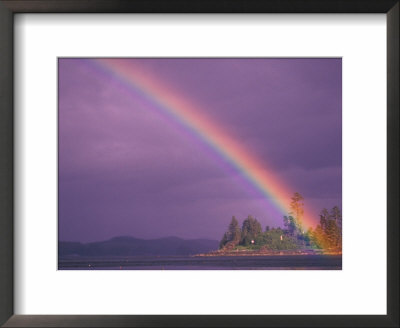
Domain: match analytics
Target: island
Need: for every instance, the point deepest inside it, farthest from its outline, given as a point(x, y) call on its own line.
point(291, 239)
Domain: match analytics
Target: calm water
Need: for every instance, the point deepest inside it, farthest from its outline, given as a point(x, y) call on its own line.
point(286, 262)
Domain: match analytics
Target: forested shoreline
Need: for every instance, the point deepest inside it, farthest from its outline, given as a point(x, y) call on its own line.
point(293, 236)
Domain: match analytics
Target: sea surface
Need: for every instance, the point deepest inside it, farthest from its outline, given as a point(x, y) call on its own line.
point(281, 262)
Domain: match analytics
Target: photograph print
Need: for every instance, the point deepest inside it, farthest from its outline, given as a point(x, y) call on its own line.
point(199, 164)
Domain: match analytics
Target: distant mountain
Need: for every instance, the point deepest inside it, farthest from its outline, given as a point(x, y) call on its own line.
point(130, 246)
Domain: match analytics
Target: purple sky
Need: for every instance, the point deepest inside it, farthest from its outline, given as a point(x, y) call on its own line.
point(127, 169)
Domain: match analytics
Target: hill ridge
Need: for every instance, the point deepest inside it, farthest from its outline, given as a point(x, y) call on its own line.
point(132, 246)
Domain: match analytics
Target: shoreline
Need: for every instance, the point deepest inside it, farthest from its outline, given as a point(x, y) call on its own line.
point(269, 253)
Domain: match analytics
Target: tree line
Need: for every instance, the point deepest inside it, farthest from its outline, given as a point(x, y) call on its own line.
point(326, 235)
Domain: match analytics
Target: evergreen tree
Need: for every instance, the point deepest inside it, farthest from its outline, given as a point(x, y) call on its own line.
point(323, 218)
point(234, 232)
point(332, 234)
point(251, 228)
point(297, 207)
point(290, 223)
point(297, 213)
point(336, 215)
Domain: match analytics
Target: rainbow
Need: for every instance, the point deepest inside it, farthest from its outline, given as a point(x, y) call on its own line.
point(191, 117)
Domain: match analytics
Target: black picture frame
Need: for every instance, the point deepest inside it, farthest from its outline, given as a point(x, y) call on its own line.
point(10, 7)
